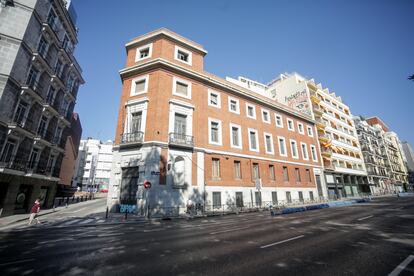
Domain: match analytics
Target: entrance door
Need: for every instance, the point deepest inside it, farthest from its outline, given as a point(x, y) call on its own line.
point(239, 199)
point(3, 193)
point(129, 186)
point(258, 198)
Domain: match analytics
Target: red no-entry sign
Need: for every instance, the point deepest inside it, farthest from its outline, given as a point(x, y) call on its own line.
point(147, 184)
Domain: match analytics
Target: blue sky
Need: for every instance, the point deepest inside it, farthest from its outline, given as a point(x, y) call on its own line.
point(362, 50)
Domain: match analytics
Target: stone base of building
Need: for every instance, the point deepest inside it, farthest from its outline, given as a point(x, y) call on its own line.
point(18, 193)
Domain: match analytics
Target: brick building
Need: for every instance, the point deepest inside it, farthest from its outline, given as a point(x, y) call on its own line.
point(39, 81)
point(196, 136)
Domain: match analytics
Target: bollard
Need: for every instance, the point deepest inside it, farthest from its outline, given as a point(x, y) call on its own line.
point(66, 205)
point(53, 207)
point(107, 211)
point(126, 214)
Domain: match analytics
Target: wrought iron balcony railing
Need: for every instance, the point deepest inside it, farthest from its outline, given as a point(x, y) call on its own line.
point(179, 139)
point(132, 137)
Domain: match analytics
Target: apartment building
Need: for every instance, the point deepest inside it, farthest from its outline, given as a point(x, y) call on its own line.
point(196, 136)
point(343, 163)
point(375, 156)
point(94, 163)
point(39, 81)
point(395, 164)
point(409, 154)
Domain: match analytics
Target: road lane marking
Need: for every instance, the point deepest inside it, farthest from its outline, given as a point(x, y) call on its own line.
point(18, 262)
point(86, 221)
point(71, 222)
point(365, 218)
point(402, 266)
point(279, 242)
point(81, 209)
point(228, 230)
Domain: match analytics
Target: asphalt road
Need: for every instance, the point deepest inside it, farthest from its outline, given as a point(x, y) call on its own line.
point(367, 239)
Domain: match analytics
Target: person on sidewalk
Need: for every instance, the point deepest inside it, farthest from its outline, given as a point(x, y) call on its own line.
point(34, 211)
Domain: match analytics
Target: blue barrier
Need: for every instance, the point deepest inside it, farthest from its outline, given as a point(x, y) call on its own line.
point(405, 194)
point(317, 206)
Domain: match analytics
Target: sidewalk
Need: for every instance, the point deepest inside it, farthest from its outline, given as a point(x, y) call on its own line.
point(5, 221)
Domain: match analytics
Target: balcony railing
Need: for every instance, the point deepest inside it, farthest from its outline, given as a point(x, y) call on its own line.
point(25, 123)
point(34, 86)
point(179, 139)
point(23, 165)
point(132, 137)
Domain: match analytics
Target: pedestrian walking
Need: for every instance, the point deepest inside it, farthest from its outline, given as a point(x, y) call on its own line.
point(34, 212)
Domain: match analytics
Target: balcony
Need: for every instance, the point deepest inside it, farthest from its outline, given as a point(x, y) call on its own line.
point(324, 138)
point(34, 88)
point(315, 99)
point(326, 152)
point(317, 110)
point(320, 125)
point(25, 123)
point(329, 166)
point(26, 167)
point(132, 138)
point(181, 140)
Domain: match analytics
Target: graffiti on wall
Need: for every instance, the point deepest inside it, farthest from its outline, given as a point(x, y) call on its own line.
point(128, 208)
point(299, 101)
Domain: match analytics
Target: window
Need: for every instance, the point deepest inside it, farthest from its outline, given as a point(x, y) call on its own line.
point(20, 114)
point(136, 119)
point(217, 200)
point(304, 151)
point(58, 135)
point(308, 176)
point(8, 151)
point(215, 170)
point(268, 143)
point(285, 174)
point(300, 193)
point(51, 18)
point(291, 127)
point(288, 197)
point(58, 68)
point(183, 55)
point(42, 126)
point(255, 171)
point(265, 116)
point(50, 95)
point(33, 158)
point(313, 153)
point(310, 131)
point(214, 99)
point(42, 47)
point(282, 146)
point(51, 163)
point(32, 78)
point(214, 131)
point(274, 198)
point(297, 175)
point(253, 143)
point(143, 52)
point(250, 111)
point(181, 88)
point(300, 128)
point(235, 136)
point(294, 149)
point(272, 172)
point(234, 105)
point(278, 120)
point(139, 85)
point(311, 196)
point(237, 170)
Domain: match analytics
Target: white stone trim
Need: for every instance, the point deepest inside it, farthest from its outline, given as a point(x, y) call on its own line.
point(257, 139)
point(272, 150)
point(220, 142)
point(284, 143)
point(306, 151)
point(189, 53)
point(218, 98)
point(303, 129)
point(239, 134)
point(133, 85)
point(281, 120)
point(237, 102)
point(139, 49)
point(296, 147)
point(316, 153)
point(174, 88)
point(293, 124)
point(247, 111)
point(268, 116)
point(309, 131)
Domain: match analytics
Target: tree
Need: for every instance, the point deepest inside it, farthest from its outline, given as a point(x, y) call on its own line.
point(411, 77)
